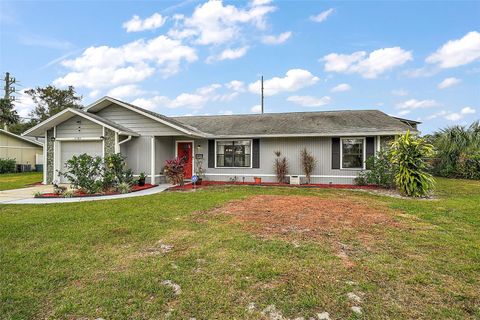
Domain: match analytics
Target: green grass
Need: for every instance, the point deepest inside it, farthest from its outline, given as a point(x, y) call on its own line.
point(87, 260)
point(18, 180)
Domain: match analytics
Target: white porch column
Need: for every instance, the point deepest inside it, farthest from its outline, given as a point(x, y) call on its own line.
point(152, 163)
point(45, 159)
point(378, 144)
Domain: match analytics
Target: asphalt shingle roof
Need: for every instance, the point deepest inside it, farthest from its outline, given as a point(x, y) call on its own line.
point(322, 123)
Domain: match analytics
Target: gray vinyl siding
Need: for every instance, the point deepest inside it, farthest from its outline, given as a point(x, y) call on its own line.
point(164, 150)
point(138, 153)
point(320, 147)
point(79, 127)
point(136, 122)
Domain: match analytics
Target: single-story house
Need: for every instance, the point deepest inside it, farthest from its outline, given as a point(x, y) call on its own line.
point(227, 147)
point(27, 152)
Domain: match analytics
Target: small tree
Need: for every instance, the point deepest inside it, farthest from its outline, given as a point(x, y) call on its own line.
point(308, 163)
point(51, 100)
point(280, 167)
point(8, 115)
point(409, 154)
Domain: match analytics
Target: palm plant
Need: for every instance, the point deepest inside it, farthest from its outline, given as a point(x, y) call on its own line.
point(409, 153)
point(453, 144)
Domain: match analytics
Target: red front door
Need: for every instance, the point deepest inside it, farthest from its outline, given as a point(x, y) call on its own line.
point(184, 150)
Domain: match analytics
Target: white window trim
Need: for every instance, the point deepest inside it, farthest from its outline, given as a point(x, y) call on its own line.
point(193, 152)
point(251, 154)
point(364, 152)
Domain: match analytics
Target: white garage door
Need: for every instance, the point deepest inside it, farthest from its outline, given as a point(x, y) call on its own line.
point(75, 148)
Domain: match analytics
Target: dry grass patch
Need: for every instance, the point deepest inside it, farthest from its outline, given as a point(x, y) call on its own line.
point(307, 218)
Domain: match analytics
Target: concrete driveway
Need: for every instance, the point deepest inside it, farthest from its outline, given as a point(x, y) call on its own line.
point(8, 196)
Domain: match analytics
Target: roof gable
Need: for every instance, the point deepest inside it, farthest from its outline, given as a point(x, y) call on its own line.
point(66, 114)
point(171, 122)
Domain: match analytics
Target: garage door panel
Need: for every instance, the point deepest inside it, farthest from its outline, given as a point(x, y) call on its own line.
point(69, 149)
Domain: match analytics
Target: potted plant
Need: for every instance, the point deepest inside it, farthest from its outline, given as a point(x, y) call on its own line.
point(199, 170)
point(141, 179)
point(258, 180)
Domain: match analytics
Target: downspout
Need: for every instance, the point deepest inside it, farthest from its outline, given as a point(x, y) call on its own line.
point(128, 139)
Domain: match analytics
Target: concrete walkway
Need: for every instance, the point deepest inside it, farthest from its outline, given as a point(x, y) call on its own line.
point(25, 195)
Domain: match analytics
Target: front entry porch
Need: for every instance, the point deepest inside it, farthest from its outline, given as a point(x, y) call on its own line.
point(147, 154)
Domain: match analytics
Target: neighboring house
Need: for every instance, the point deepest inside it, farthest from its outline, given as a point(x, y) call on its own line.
point(27, 152)
point(230, 146)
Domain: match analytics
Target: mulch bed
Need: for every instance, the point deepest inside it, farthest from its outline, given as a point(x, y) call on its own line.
point(79, 194)
point(189, 186)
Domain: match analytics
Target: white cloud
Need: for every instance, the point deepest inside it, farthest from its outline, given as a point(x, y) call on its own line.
point(368, 65)
point(195, 100)
point(236, 85)
point(448, 82)
point(457, 52)
point(281, 38)
point(151, 23)
point(341, 87)
point(256, 109)
point(455, 116)
point(229, 54)
point(452, 116)
point(103, 66)
point(416, 104)
point(294, 80)
point(24, 105)
point(309, 101)
point(400, 92)
point(403, 113)
point(225, 112)
point(322, 16)
point(129, 90)
point(215, 23)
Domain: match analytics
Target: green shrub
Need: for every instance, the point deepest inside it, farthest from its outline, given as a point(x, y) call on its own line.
point(469, 165)
point(382, 170)
point(68, 194)
point(7, 165)
point(115, 171)
point(84, 172)
point(361, 179)
point(409, 153)
point(124, 187)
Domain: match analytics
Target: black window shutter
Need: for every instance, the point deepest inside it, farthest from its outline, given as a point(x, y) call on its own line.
point(256, 153)
point(211, 153)
point(370, 148)
point(335, 153)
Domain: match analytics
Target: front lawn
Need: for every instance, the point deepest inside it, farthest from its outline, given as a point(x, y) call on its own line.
point(123, 259)
point(19, 180)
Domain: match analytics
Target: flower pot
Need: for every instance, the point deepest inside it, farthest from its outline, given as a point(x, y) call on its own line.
point(141, 182)
point(199, 181)
point(257, 180)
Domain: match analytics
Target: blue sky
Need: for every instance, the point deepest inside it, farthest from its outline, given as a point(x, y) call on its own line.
point(418, 60)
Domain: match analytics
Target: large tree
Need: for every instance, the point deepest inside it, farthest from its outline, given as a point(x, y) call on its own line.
point(51, 100)
point(8, 115)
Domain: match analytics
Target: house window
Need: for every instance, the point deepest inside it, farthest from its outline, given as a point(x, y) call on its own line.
point(352, 153)
point(234, 153)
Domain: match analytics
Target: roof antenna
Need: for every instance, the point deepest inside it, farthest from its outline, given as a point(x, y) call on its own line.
point(262, 96)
